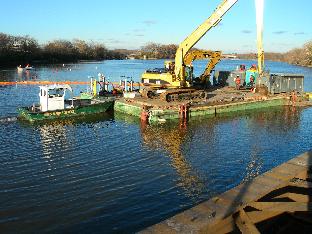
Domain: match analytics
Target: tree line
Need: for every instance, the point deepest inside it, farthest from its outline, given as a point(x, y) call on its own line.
point(298, 56)
point(158, 51)
point(25, 49)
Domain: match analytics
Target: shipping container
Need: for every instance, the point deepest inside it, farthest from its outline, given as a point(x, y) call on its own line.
point(284, 83)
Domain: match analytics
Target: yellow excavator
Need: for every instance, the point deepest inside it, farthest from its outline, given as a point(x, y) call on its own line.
point(177, 77)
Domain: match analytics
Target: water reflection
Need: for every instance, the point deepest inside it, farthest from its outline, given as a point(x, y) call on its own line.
point(8, 75)
point(60, 139)
point(243, 135)
point(172, 139)
point(254, 165)
point(54, 138)
point(277, 120)
point(14, 75)
point(27, 75)
point(58, 135)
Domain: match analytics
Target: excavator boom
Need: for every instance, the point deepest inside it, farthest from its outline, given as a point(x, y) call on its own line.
point(192, 39)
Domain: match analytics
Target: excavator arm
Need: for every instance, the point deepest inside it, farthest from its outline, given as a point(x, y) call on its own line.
point(213, 56)
point(201, 54)
point(192, 39)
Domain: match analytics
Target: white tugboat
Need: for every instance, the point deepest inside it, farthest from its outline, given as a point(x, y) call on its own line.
point(53, 105)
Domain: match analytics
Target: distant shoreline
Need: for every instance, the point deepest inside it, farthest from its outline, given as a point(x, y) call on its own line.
point(22, 50)
point(47, 62)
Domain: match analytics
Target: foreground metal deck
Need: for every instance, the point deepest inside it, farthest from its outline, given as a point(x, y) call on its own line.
point(278, 201)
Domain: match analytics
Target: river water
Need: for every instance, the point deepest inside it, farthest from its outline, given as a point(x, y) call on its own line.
point(113, 174)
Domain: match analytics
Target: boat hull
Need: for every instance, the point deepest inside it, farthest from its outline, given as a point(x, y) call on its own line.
point(26, 114)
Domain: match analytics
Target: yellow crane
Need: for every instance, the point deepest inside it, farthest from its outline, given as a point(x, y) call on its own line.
point(259, 19)
point(176, 74)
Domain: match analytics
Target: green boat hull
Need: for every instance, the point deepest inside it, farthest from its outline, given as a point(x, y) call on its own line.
point(26, 114)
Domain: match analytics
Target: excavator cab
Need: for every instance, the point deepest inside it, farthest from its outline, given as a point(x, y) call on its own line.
point(189, 74)
point(188, 70)
point(169, 65)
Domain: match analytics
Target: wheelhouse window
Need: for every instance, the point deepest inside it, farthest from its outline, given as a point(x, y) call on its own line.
point(56, 93)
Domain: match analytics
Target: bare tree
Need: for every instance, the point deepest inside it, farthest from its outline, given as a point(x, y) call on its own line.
point(308, 53)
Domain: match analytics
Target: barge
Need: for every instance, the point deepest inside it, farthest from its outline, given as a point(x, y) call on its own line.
point(223, 100)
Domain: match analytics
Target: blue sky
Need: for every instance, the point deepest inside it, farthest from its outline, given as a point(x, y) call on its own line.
point(131, 24)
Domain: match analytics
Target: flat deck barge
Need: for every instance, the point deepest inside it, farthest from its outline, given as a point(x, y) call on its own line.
point(220, 101)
